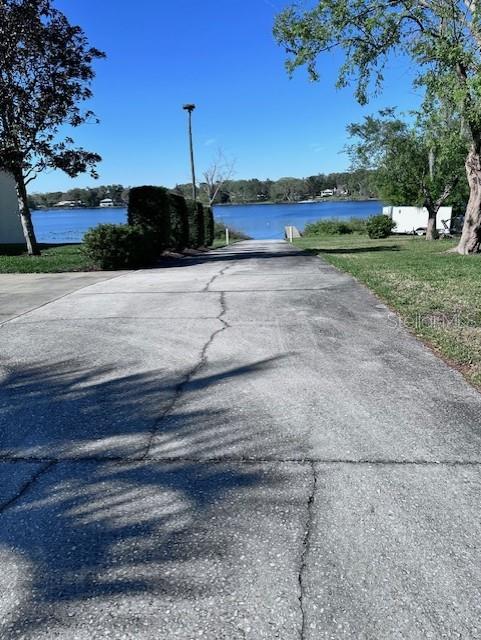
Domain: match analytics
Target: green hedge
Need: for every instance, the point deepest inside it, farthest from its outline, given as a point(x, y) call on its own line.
point(179, 222)
point(208, 226)
point(149, 208)
point(119, 246)
point(335, 226)
point(326, 228)
point(196, 224)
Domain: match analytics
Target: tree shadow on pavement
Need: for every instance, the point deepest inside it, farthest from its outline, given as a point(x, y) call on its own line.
point(230, 255)
point(89, 527)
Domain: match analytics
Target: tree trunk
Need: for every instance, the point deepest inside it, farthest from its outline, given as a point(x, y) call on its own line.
point(25, 215)
point(431, 230)
point(470, 241)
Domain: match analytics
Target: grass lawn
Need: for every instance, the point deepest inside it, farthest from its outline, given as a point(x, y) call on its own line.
point(437, 294)
point(54, 258)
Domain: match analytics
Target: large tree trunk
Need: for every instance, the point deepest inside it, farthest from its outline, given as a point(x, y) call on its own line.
point(470, 241)
point(25, 215)
point(431, 229)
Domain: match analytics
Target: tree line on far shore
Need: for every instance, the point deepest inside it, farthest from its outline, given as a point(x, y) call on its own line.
point(89, 197)
point(357, 184)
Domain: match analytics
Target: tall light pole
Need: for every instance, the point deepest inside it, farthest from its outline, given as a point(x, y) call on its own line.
point(189, 108)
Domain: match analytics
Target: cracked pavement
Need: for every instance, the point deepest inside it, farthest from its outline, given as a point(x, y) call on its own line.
point(241, 445)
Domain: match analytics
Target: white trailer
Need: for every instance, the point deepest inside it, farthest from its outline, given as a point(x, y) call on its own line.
point(415, 219)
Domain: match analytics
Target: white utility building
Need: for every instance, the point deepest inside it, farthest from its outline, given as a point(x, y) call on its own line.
point(10, 225)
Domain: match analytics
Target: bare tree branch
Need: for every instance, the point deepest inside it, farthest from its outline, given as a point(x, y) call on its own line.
point(220, 170)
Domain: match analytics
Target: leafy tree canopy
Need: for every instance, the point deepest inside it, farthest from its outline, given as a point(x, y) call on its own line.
point(45, 71)
point(419, 162)
point(442, 37)
point(45, 74)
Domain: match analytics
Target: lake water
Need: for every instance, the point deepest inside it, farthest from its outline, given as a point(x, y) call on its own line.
point(259, 221)
point(265, 221)
point(70, 225)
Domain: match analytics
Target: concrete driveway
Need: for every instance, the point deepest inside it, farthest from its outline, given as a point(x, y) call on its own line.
point(23, 292)
point(245, 445)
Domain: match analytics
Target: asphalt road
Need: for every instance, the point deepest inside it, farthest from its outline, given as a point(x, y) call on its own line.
point(242, 446)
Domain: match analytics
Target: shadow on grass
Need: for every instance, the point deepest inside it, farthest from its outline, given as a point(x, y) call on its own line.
point(103, 521)
point(354, 250)
point(20, 249)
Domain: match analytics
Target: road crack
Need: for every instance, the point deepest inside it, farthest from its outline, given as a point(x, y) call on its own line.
point(214, 278)
point(26, 486)
point(179, 389)
point(306, 541)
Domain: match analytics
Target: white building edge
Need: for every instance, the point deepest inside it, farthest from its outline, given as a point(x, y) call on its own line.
point(10, 225)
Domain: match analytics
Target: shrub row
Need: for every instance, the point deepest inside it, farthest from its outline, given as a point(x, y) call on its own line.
point(157, 220)
point(379, 226)
point(335, 227)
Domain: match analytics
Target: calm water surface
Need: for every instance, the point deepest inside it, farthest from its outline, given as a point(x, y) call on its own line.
point(264, 221)
point(259, 221)
point(70, 225)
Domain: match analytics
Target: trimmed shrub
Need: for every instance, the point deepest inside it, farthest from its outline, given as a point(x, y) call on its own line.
point(149, 208)
point(179, 222)
point(119, 246)
point(208, 226)
point(196, 224)
point(327, 228)
point(380, 226)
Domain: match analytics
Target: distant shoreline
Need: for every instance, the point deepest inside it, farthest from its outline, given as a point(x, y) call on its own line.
point(324, 200)
point(224, 204)
point(40, 209)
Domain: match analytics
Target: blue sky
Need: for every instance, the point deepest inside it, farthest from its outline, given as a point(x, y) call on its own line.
point(221, 55)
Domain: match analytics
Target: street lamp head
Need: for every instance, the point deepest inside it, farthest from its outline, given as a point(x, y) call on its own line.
point(189, 107)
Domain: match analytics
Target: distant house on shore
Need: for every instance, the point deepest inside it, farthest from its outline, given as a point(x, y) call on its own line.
point(68, 204)
point(10, 225)
point(326, 193)
point(107, 202)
